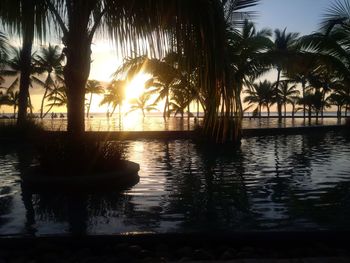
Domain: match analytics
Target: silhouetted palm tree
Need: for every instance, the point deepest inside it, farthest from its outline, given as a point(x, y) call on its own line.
point(57, 98)
point(141, 103)
point(287, 93)
point(262, 94)
point(338, 100)
point(14, 69)
point(284, 47)
point(92, 87)
point(164, 76)
point(3, 52)
point(247, 50)
point(115, 96)
point(49, 61)
point(26, 18)
point(180, 100)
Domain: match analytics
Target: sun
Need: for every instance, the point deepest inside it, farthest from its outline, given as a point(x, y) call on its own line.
point(136, 86)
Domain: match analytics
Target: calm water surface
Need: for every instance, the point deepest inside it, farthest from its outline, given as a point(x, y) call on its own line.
point(278, 183)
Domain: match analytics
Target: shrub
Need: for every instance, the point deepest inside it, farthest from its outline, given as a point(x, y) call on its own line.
point(79, 157)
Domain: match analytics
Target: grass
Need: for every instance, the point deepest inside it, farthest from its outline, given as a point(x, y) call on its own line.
point(9, 129)
point(68, 156)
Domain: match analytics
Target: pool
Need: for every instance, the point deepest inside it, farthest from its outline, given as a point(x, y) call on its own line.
point(270, 183)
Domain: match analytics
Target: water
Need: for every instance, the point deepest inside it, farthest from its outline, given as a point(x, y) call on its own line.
point(297, 182)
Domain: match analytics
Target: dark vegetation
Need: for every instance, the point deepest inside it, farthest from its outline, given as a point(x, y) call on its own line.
point(60, 155)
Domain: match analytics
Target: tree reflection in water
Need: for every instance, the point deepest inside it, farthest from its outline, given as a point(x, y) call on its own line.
point(273, 182)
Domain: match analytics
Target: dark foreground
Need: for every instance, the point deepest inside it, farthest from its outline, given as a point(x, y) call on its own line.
point(237, 247)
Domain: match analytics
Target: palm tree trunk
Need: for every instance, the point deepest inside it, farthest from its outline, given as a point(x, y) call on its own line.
point(120, 115)
point(88, 109)
point(285, 110)
point(26, 55)
point(197, 108)
point(303, 84)
point(259, 110)
point(76, 73)
point(268, 111)
point(165, 107)
point(42, 103)
point(279, 105)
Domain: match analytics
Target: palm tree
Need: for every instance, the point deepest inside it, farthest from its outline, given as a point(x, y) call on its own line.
point(49, 61)
point(115, 96)
point(15, 67)
point(248, 53)
point(141, 104)
point(284, 47)
point(338, 100)
point(180, 100)
point(93, 87)
point(3, 52)
point(26, 18)
point(130, 20)
point(10, 98)
point(287, 94)
point(165, 75)
point(57, 98)
point(261, 93)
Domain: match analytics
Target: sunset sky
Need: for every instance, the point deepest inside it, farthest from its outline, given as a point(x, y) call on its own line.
point(297, 16)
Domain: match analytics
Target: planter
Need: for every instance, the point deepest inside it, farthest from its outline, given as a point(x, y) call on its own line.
point(37, 179)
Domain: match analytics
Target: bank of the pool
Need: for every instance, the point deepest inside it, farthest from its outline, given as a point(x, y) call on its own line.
point(181, 247)
point(178, 135)
point(174, 135)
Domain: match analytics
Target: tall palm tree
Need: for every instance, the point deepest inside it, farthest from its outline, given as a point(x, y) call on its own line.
point(180, 100)
point(10, 98)
point(262, 94)
point(115, 96)
point(57, 96)
point(27, 18)
point(165, 75)
point(287, 94)
point(93, 87)
point(300, 68)
point(3, 52)
point(284, 48)
point(201, 29)
point(50, 62)
point(141, 103)
point(338, 100)
point(15, 66)
point(247, 50)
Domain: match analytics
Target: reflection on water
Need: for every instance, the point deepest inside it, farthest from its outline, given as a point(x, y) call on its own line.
point(156, 123)
point(269, 183)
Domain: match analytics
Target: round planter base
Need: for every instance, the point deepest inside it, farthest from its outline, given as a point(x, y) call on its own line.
point(37, 179)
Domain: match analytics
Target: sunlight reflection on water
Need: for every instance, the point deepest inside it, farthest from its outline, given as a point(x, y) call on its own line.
point(297, 182)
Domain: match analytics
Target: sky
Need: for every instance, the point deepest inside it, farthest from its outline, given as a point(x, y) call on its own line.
point(301, 16)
